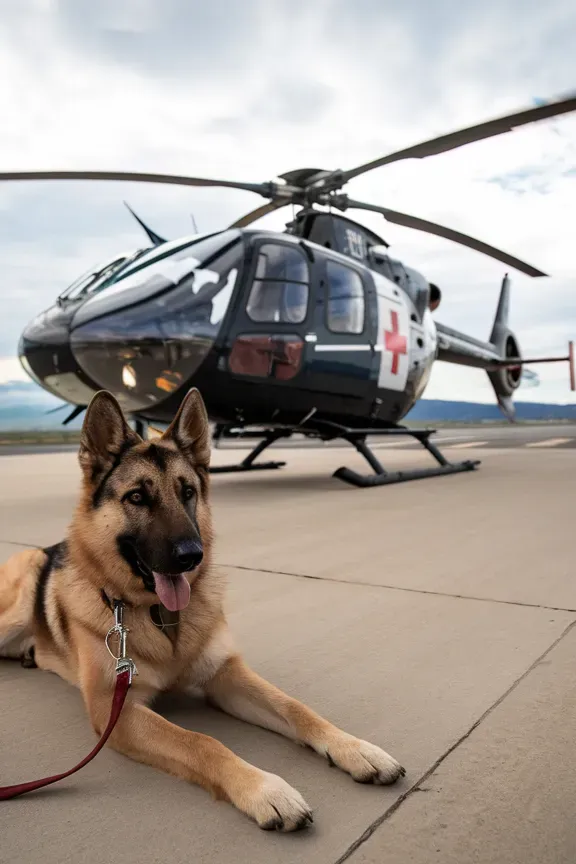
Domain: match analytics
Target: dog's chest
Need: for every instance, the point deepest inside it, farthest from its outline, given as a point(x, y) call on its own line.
point(164, 647)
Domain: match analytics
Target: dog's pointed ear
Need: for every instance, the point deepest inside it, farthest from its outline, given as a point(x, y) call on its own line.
point(190, 429)
point(105, 435)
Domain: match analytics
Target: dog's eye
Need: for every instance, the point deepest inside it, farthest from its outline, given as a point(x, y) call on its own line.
point(135, 498)
point(188, 493)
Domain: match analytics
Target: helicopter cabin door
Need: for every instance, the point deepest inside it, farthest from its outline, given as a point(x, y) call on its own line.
point(344, 335)
point(267, 338)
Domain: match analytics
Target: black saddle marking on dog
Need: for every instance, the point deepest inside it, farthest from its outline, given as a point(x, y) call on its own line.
point(56, 556)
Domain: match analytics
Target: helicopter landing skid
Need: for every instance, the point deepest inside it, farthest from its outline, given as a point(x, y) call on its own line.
point(248, 463)
point(329, 431)
point(381, 477)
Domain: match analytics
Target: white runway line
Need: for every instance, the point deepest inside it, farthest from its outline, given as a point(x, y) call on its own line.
point(549, 442)
point(467, 444)
point(440, 439)
point(402, 440)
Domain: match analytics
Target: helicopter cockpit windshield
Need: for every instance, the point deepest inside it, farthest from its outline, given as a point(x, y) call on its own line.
point(159, 318)
point(171, 266)
point(96, 278)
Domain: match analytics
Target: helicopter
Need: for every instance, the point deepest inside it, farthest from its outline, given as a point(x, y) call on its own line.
point(315, 330)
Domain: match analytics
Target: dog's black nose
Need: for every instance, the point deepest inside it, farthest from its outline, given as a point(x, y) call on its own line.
point(188, 554)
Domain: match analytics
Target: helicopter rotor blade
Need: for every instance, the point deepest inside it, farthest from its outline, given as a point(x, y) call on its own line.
point(58, 408)
point(258, 213)
point(73, 414)
point(448, 233)
point(152, 236)
point(467, 136)
point(267, 190)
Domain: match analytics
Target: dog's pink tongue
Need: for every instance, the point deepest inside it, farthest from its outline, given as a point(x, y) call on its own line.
point(173, 591)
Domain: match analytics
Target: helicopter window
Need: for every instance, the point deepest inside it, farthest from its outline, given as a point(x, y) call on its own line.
point(345, 305)
point(399, 274)
point(280, 289)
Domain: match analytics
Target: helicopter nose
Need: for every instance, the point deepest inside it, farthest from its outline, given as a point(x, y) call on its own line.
point(130, 352)
point(46, 356)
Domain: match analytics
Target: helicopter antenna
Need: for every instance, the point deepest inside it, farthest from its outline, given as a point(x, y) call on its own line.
point(155, 238)
point(194, 224)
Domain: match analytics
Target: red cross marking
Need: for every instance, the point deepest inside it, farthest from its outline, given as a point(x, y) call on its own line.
point(395, 342)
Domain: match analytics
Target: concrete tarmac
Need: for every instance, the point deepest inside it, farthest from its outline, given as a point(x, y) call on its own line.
point(435, 618)
point(479, 436)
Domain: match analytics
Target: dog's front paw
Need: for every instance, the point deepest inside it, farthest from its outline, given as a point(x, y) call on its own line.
point(365, 762)
point(274, 804)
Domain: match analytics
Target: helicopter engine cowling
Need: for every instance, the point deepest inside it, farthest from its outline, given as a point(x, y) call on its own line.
point(507, 379)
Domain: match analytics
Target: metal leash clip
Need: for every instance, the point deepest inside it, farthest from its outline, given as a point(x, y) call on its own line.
point(123, 662)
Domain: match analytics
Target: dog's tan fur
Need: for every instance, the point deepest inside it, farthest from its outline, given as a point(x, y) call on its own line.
point(69, 638)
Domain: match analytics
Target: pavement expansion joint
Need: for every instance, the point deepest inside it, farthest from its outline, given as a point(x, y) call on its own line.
point(446, 594)
point(363, 584)
point(416, 786)
point(18, 543)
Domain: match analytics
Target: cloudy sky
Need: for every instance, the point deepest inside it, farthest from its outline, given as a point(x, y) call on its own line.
point(248, 89)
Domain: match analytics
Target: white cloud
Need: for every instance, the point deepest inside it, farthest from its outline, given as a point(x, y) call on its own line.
point(286, 84)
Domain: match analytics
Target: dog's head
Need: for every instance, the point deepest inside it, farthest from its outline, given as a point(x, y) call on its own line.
point(144, 519)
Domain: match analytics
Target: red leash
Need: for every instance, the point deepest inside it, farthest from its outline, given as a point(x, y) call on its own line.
point(125, 668)
point(120, 691)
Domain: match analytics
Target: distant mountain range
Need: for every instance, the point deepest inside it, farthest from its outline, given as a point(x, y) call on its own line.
point(432, 410)
point(24, 406)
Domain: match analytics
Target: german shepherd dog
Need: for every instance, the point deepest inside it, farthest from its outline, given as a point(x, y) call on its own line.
point(142, 533)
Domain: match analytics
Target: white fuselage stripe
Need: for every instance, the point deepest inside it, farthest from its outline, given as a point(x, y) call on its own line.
point(318, 347)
